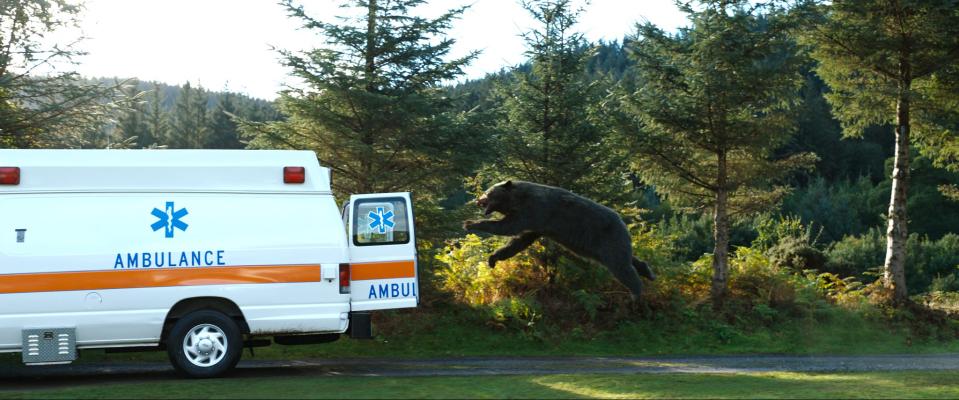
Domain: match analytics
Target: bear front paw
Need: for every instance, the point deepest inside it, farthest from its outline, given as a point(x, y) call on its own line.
point(492, 261)
point(468, 225)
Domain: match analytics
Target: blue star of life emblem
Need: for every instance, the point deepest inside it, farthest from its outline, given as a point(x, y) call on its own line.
point(381, 220)
point(169, 219)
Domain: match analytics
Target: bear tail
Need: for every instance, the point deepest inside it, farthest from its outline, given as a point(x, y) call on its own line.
point(643, 269)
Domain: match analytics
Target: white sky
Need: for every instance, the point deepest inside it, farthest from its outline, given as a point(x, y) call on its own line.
point(225, 44)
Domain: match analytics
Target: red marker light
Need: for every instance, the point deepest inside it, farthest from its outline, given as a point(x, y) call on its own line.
point(344, 278)
point(294, 174)
point(9, 175)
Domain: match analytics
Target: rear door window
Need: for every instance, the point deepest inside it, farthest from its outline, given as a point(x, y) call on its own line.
point(380, 221)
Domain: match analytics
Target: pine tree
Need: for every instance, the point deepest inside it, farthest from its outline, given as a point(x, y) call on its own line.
point(157, 132)
point(190, 127)
point(372, 107)
point(880, 57)
point(223, 130)
point(56, 108)
point(550, 131)
point(715, 100)
point(131, 125)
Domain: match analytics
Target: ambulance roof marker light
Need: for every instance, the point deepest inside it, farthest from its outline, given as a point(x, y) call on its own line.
point(9, 175)
point(294, 175)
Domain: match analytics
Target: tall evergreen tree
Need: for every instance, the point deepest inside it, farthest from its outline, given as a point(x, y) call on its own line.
point(714, 101)
point(223, 130)
point(190, 127)
point(158, 126)
point(372, 107)
point(551, 133)
point(131, 124)
point(880, 58)
point(55, 108)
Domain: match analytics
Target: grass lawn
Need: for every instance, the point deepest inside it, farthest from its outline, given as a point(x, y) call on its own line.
point(432, 336)
point(758, 385)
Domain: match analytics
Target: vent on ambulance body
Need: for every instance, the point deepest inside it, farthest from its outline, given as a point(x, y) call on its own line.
point(344, 278)
point(294, 175)
point(9, 175)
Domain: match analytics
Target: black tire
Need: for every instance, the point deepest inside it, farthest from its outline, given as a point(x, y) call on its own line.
point(231, 346)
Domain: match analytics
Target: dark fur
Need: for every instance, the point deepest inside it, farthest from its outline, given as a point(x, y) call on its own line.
point(581, 225)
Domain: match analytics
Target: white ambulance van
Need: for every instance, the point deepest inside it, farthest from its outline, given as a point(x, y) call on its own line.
point(197, 252)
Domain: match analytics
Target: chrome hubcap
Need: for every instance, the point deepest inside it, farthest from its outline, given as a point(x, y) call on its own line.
point(205, 345)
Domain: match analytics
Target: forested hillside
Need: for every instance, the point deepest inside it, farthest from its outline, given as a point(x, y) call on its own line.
point(182, 116)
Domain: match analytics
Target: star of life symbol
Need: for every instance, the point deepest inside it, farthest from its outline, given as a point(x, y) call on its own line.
point(169, 219)
point(381, 220)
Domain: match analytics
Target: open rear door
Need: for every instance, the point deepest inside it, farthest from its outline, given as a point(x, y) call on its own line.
point(382, 252)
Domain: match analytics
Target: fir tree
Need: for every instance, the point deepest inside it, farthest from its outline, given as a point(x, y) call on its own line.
point(881, 58)
point(131, 125)
point(223, 129)
point(715, 100)
point(190, 127)
point(550, 131)
point(157, 132)
point(372, 107)
point(55, 108)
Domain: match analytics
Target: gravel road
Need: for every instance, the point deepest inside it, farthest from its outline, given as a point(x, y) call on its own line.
point(18, 377)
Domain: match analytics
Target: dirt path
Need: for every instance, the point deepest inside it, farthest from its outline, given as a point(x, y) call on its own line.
point(16, 377)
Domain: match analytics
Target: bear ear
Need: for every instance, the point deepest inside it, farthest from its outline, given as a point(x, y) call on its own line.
point(508, 184)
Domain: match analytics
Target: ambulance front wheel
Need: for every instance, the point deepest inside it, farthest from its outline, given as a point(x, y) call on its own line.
point(204, 344)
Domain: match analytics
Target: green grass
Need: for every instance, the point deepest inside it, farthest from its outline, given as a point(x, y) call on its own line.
point(759, 385)
point(424, 335)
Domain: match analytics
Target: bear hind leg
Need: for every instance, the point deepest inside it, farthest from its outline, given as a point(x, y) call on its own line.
point(625, 273)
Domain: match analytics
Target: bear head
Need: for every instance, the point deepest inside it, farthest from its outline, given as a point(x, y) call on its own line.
point(497, 198)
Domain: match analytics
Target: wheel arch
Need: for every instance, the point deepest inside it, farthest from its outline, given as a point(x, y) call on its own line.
point(187, 306)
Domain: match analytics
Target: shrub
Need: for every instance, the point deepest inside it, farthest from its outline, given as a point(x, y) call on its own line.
point(839, 208)
point(925, 259)
point(788, 243)
point(854, 255)
point(796, 254)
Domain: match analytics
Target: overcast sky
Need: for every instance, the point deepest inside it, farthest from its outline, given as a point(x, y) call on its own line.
point(226, 44)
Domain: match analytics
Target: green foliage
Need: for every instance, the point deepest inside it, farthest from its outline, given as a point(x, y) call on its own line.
point(862, 47)
point(54, 109)
point(926, 259)
point(715, 100)
point(856, 254)
point(190, 126)
point(838, 208)
point(371, 106)
point(549, 113)
point(542, 289)
point(224, 133)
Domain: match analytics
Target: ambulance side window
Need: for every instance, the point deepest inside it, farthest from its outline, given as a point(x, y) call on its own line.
point(380, 221)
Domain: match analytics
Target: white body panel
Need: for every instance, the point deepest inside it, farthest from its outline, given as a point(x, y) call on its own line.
point(107, 242)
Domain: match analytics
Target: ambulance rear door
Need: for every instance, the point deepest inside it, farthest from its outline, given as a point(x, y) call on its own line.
point(382, 252)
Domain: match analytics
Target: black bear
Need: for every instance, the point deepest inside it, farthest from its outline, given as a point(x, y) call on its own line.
point(581, 225)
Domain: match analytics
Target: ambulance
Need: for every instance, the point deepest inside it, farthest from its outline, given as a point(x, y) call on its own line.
point(196, 252)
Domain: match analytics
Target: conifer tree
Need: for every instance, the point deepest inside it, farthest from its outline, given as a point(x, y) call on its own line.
point(714, 101)
point(55, 108)
point(881, 59)
point(223, 130)
point(190, 128)
point(131, 124)
point(372, 107)
point(157, 131)
point(550, 130)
